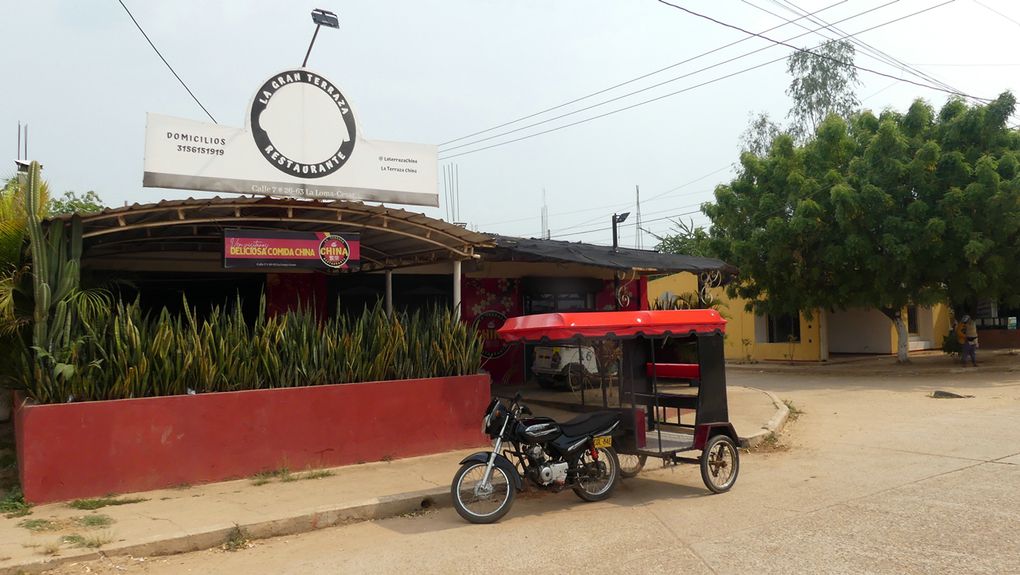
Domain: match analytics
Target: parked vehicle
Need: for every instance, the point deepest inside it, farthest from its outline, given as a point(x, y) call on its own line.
point(564, 366)
point(668, 419)
point(577, 454)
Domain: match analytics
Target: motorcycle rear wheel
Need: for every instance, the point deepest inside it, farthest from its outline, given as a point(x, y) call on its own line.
point(600, 485)
point(486, 507)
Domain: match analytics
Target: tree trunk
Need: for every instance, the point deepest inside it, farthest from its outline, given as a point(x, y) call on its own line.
point(902, 336)
point(903, 341)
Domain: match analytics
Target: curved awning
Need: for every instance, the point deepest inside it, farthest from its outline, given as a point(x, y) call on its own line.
point(552, 327)
point(389, 237)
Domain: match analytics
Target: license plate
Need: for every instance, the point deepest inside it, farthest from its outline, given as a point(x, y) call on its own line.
point(603, 441)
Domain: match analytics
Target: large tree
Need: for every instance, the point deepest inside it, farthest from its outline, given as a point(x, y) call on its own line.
point(824, 83)
point(73, 203)
point(879, 212)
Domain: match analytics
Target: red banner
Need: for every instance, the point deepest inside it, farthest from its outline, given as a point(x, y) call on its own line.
point(287, 249)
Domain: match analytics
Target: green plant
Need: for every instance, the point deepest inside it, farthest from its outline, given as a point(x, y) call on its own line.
point(126, 353)
point(93, 521)
point(237, 539)
point(951, 345)
point(317, 474)
point(90, 542)
point(746, 344)
point(99, 502)
point(13, 504)
point(39, 525)
point(795, 412)
point(263, 477)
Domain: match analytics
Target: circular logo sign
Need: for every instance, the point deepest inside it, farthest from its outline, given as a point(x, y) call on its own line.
point(334, 251)
point(486, 325)
point(302, 124)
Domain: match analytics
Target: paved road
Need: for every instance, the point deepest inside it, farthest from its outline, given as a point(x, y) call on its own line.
point(874, 477)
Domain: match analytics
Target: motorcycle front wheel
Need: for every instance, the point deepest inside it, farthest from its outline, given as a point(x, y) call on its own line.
point(597, 479)
point(481, 503)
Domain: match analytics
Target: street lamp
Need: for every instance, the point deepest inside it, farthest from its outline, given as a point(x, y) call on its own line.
point(321, 18)
point(618, 219)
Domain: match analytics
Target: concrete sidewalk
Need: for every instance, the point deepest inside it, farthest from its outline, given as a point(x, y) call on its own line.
point(204, 516)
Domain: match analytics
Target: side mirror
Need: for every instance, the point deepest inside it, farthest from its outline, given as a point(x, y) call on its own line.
point(517, 397)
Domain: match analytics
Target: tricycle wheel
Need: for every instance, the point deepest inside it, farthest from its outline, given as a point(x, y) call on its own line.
point(596, 479)
point(720, 463)
point(631, 465)
point(482, 503)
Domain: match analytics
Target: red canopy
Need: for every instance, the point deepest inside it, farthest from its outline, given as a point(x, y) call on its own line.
point(566, 326)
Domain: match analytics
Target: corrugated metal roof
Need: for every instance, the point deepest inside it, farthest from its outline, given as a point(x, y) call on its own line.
point(507, 248)
point(391, 237)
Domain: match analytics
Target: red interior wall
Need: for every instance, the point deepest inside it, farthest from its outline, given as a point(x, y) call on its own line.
point(73, 450)
point(286, 291)
point(500, 295)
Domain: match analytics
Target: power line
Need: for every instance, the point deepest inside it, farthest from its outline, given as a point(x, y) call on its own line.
point(986, 7)
point(867, 49)
point(657, 197)
point(172, 71)
point(611, 112)
point(689, 88)
point(631, 81)
point(806, 51)
point(651, 87)
point(602, 229)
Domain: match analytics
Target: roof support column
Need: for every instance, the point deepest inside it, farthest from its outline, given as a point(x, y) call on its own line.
point(456, 289)
point(389, 293)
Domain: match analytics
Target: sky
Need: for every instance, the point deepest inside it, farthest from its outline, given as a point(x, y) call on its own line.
point(83, 78)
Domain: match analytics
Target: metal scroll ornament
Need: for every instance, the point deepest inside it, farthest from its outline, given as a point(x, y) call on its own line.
point(707, 281)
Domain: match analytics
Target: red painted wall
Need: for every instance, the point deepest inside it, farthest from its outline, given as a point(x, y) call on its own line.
point(88, 449)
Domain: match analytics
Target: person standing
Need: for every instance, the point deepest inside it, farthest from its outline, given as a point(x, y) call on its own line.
point(966, 334)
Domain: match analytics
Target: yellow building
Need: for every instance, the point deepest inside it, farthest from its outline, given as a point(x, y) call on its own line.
point(754, 337)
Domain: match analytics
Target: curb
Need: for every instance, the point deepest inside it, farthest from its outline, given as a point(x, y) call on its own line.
point(375, 508)
point(775, 424)
point(323, 517)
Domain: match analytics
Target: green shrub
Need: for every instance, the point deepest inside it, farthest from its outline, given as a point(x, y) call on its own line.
point(950, 344)
point(126, 353)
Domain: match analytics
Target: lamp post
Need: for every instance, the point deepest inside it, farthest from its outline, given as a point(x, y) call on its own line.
point(617, 219)
point(321, 18)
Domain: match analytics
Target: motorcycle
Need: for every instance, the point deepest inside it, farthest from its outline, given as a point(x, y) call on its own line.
point(553, 456)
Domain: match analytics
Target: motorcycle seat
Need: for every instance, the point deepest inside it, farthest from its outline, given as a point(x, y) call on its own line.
point(589, 423)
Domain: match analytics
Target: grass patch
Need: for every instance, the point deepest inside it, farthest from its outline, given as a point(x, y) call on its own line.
point(100, 502)
point(263, 477)
point(770, 443)
point(795, 412)
point(285, 476)
point(13, 504)
point(317, 474)
point(93, 521)
point(37, 525)
point(89, 542)
point(237, 539)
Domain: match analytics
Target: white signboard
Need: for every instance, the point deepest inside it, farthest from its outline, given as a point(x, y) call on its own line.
point(300, 139)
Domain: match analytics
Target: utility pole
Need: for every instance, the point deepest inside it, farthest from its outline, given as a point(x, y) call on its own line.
point(638, 243)
point(545, 217)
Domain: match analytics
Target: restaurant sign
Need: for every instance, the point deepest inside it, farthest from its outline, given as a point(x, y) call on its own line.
point(286, 249)
point(300, 139)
